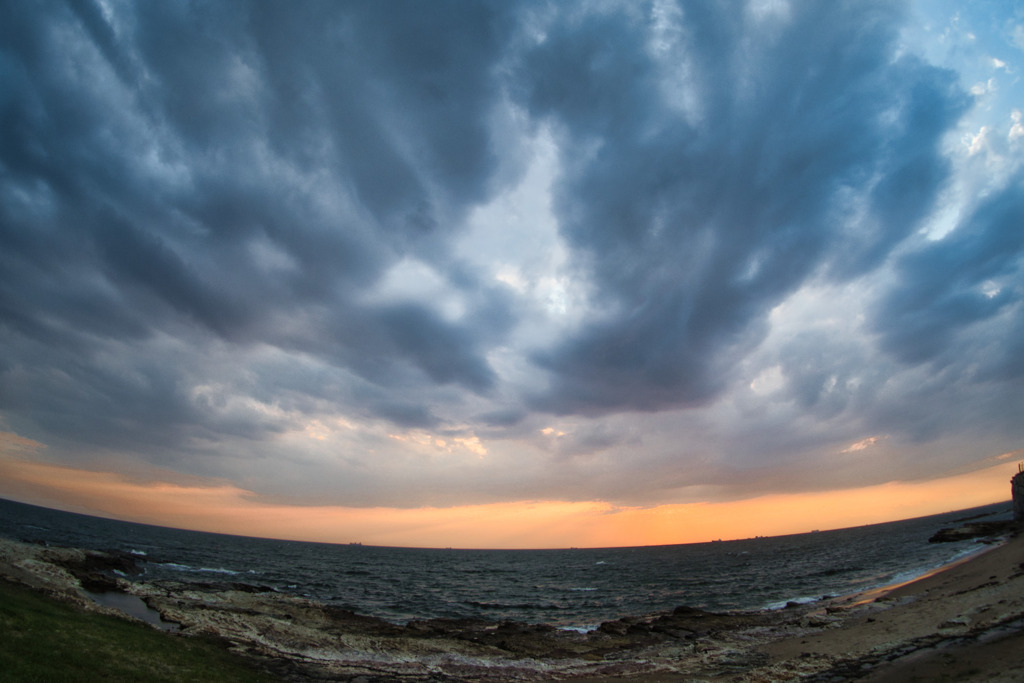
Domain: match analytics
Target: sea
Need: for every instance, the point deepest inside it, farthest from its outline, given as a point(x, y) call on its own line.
point(574, 589)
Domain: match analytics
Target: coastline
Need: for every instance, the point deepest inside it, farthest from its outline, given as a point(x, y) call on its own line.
point(968, 614)
point(869, 595)
point(963, 621)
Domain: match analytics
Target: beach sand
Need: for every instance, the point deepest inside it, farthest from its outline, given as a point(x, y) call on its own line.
point(962, 623)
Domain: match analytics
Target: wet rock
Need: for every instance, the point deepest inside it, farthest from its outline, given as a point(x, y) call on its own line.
point(820, 621)
point(690, 612)
point(465, 628)
point(213, 586)
point(673, 631)
point(98, 583)
point(624, 626)
point(348, 620)
point(958, 623)
point(96, 561)
point(97, 571)
point(614, 628)
point(971, 530)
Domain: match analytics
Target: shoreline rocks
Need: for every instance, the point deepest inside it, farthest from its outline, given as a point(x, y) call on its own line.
point(971, 530)
point(97, 570)
point(302, 640)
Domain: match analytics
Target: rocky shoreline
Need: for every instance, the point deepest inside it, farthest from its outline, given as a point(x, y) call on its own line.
point(976, 606)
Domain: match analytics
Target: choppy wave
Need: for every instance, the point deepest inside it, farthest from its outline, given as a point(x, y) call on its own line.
point(529, 606)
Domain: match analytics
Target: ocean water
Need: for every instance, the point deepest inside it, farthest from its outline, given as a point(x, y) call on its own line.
point(570, 588)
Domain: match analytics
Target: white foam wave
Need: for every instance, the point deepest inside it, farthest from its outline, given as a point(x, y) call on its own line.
point(176, 567)
point(207, 570)
point(782, 604)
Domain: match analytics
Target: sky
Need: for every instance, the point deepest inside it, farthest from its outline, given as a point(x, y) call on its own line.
point(511, 274)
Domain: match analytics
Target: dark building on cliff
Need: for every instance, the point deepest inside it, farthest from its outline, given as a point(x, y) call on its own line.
point(1017, 489)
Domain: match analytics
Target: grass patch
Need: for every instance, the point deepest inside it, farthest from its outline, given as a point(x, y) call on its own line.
point(42, 639)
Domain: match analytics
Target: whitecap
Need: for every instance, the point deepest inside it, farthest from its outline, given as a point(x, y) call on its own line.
point(782, 604)
point(177, 567)
point(185, 568)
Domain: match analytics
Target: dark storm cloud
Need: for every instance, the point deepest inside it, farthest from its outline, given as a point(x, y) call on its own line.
point(239, 172)
point(437, 348)
point(85, 395)
point(799, 149)
point(264, 231)
point(135, 259)
point(951, 287)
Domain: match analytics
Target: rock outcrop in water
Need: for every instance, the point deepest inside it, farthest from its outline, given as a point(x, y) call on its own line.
point(970, 530)
point(303, 640)
point(96, 570)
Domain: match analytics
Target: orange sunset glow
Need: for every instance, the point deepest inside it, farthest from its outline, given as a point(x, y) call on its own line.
point(228, 509)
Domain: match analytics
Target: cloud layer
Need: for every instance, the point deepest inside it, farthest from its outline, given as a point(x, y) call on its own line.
point(447, 253)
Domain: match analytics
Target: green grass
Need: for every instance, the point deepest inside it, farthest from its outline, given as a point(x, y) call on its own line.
point(42, 639)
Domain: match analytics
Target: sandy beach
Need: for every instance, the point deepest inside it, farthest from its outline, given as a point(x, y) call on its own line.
point(964, 623)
